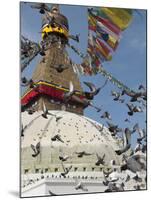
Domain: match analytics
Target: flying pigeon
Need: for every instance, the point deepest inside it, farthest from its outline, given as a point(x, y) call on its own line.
point(36, 149)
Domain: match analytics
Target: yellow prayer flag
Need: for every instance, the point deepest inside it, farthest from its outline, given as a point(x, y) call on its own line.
point(92, 20)
point(119, 16)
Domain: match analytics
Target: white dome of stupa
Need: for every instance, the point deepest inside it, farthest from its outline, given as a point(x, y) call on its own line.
point(77, 134)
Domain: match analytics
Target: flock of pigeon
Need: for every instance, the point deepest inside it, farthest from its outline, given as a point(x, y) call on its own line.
point(135, 162)
point(116, 180)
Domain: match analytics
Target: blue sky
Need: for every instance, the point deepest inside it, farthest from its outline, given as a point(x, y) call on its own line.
point(128, 63)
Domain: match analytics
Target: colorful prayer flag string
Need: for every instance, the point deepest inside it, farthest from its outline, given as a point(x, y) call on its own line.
point(105, 26)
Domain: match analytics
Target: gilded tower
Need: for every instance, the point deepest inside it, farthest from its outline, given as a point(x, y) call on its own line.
point(54, 72)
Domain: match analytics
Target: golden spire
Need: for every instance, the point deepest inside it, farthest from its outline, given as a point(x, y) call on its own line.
point(55, 70)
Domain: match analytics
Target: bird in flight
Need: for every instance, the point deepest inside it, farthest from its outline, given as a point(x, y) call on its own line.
point(65, 169)
point(36, 149)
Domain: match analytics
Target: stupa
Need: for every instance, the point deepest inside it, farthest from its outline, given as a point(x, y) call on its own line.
point(41, 174)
